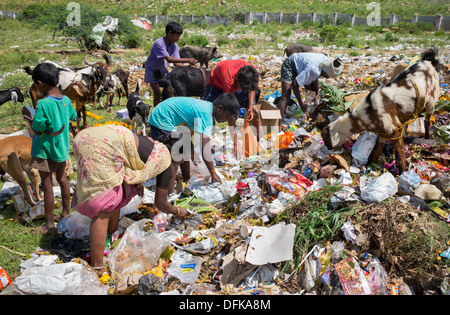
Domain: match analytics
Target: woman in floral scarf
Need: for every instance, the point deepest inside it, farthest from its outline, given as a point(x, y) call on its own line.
point(112, 164)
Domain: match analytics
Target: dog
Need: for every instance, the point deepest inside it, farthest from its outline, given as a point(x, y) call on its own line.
point(15, 158)
point(388, 109)
point(138, 111)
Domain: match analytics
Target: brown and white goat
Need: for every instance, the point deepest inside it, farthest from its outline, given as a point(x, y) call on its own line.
point(389, 108)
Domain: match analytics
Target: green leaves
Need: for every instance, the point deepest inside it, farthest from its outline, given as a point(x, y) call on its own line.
point(334, 98)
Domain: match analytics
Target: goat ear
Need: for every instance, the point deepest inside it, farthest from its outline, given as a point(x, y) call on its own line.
point(14, 97)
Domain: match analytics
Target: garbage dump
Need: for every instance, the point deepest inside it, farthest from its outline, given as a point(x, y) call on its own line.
point(294, 219)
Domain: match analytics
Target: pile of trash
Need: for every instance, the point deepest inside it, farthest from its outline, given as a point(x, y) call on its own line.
point(296, 218)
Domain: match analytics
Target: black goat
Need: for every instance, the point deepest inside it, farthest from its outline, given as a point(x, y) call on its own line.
point(11, 94)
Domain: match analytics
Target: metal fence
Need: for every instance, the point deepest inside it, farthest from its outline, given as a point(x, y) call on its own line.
point(439, 22)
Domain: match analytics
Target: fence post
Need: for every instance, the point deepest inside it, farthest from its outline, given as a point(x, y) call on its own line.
point(248, 18)
point(313, 17)
point(297, 17)
point(438, 22)
point(414, 19)
point(352, 19)
point(264, 17)
point(392, 18)
point(280, 17)
point(335, 15)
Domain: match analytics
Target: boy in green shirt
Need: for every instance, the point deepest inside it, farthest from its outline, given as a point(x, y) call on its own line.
point(50, 147)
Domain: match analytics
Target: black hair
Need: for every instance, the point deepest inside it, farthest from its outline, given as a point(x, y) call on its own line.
point(174, 27)
point(229, 103)
point(248, 78)
point(46, 73)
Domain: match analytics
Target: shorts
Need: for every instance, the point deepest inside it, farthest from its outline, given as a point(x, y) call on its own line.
point(46, 165)
point(288, 70)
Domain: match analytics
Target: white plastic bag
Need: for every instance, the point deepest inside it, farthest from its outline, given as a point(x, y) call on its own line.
point(362, 148)
point(75, 226)
point(379, 189)
point(185, 266)
point(58, 279)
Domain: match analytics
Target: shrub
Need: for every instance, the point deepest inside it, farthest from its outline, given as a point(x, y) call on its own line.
point(244, 43)
point(223, 42)
point(329, 33)
point(194, 40)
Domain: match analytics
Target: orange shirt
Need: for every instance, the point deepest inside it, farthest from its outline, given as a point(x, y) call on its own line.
point(224, 75)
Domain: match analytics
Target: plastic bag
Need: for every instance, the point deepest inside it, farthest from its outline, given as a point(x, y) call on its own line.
point(379, 189)
point(139, 249)
point(58, 279)
point(363, 147)
point(76, 226)
point(283, 141)
point(185, 266)
point(251, 146)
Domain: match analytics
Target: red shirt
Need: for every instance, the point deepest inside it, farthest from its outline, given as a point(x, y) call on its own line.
point(224, 75)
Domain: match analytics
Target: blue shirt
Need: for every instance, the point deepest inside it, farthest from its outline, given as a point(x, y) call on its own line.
point(195, 113)
point(308, 66)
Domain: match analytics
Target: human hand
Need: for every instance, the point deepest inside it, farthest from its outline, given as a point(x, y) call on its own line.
point(215, 178)
point(140, 189)
point(192, 61)
point(249, 115)
point(181, 213)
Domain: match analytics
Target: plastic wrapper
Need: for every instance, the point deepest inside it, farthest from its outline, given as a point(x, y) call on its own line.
point(5, 280)
point(139, 249)
point(352, 278)
point(283, 141)
point(375, 274)
point(409, 181)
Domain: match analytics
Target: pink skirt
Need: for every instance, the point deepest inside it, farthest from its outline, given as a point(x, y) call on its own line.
point(108, 201)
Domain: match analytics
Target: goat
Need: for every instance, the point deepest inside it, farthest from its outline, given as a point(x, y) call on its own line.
point(389, 108)
point(138, 111)
point(12, 94)
point(80, 94)
point(115, 82)
point(69, 75)
point(183, 81)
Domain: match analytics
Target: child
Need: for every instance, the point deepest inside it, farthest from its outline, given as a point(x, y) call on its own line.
point(50, 146)
point(164, 51)
point(241, 78)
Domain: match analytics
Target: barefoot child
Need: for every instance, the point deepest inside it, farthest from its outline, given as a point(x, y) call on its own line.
point(50, 146)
